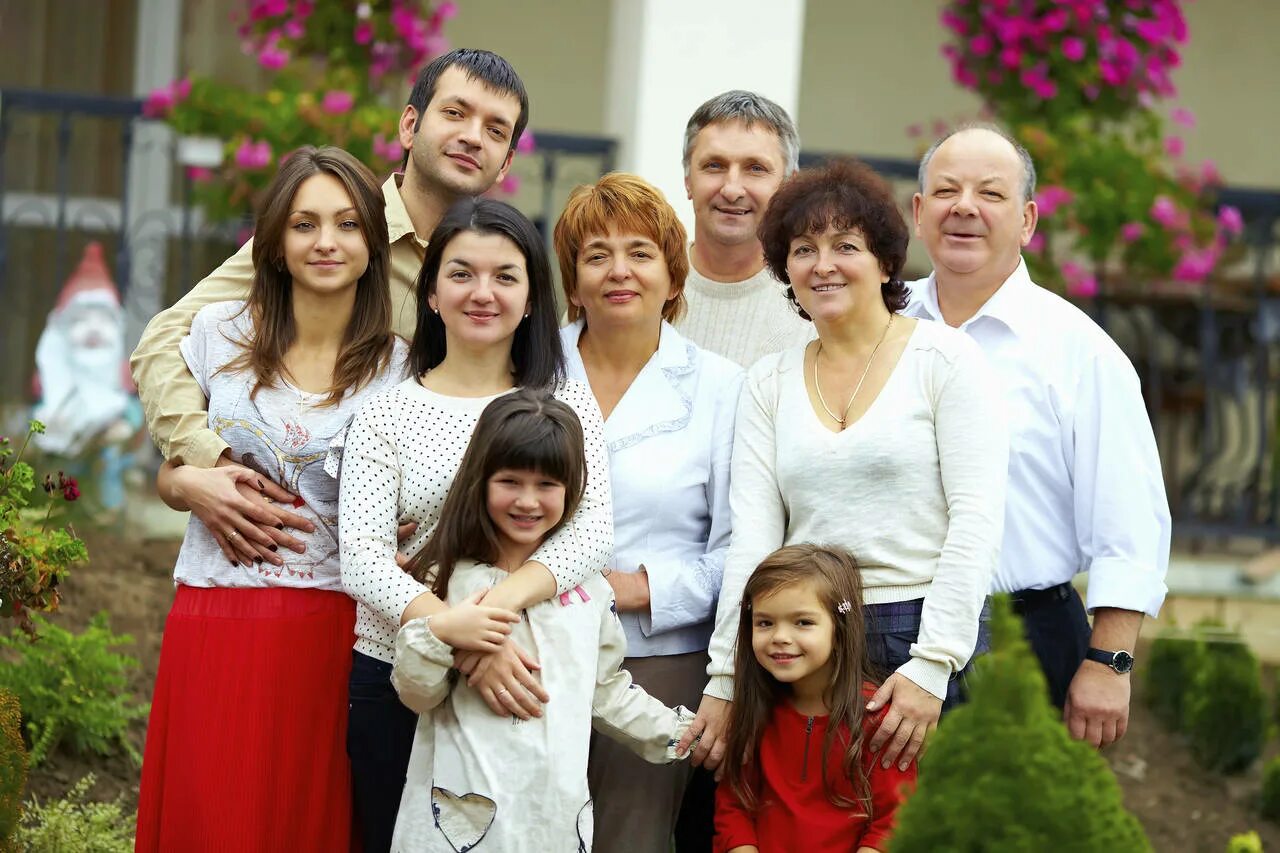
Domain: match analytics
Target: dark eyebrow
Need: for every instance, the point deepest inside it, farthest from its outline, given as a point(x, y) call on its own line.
point(317, 216)
point(467, 105)
point(465, 263)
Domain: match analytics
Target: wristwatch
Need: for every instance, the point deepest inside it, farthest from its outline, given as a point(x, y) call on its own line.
point(1120, 661)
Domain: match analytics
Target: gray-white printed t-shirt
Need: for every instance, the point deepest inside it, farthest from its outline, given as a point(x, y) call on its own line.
point(282, 433)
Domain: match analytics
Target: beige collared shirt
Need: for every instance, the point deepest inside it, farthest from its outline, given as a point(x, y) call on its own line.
point(174, 405)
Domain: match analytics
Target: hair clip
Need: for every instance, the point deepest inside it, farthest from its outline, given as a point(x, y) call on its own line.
point(844, 606)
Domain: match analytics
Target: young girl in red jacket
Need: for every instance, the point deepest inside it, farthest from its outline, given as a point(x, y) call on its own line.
point(800, 690)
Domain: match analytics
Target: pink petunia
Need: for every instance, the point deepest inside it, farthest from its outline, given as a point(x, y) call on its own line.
point(447, 10)
point(982, 44)
point(1196, 265)
point(1131, 232)
point(1073, 48)
point(251, 155)
point(336, 102)
point(387, 149)
point(510, 184)
point(1010, 57)
point(1085, 286)
point(526, 143)
point(1036, 244)
point(1183, 117)
point(1209, 173)
point(1230, 220)
point(273, 57)
point(1050, 198)
point(1165, 211)
point(363, 33)
point(1174, 146)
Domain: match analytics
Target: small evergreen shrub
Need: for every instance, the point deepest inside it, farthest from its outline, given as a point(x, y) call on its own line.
point(1002, 773)
point(1271, 790)
point(13, 767)
point(1245, 842)
point(73, 688)
point(1225, 711)
point(73, 825)
point(1170, 665)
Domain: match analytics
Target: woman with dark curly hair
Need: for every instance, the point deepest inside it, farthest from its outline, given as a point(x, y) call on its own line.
point(884, 436)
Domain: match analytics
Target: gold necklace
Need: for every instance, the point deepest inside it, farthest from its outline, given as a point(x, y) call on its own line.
point(840, 419)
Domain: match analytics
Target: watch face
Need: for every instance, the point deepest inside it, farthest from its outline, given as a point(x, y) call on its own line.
point(1122, 662)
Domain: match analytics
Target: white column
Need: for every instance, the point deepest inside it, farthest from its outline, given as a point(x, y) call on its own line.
point(667, 57)
point(155, 64)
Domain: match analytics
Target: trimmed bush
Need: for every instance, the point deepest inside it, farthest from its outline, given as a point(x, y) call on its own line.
point(1271, 790)
point(1245, 842)
point(74, 825)
point(1170, 665)
point(13, 767)
point(1002, 773)
point(1225, 712)
point(73, 688)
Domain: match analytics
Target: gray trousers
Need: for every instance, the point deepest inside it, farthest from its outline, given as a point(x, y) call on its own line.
point(636, 803)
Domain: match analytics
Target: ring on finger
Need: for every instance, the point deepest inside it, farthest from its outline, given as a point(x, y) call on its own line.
point(231, 537)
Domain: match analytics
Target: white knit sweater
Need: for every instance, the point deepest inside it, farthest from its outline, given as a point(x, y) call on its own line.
point(741, 320)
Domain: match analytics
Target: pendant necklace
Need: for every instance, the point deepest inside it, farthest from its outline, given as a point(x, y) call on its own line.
point(841, 418)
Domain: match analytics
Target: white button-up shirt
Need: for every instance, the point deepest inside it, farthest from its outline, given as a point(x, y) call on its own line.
point(1086, 493)
point(670, 441)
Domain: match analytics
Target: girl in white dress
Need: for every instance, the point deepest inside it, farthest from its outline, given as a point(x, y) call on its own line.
point(481, 782)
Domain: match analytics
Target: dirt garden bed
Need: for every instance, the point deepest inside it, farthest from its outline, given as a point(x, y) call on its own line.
point(1184, 808)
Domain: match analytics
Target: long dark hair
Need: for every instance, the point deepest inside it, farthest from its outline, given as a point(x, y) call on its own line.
point(368, 341)
point(525, 430)
point(536, 351)
point(755, 693)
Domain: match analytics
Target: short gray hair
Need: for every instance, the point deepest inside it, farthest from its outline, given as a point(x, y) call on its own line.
point(748, 108)
point(1028, 166)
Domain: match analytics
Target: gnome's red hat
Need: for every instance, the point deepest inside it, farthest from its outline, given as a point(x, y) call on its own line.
point(90, 277)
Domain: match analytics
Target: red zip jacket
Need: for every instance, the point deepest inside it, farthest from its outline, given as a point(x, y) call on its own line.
point(794, 812)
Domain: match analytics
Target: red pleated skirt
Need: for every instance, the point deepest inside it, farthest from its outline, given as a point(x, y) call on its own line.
point(246, 746)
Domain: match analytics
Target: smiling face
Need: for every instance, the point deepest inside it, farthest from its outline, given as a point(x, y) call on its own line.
point(971, 215)
point(482, 290)
point(462, 141)
point(524, 507)
point(733, 172)
point(324, 248)
point(833, 273)
point(622, 279)
point(792, 635)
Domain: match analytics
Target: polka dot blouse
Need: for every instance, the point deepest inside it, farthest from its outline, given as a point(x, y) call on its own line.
point(399, 458)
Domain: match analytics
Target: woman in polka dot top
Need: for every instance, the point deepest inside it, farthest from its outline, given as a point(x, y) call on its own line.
point(486, 325)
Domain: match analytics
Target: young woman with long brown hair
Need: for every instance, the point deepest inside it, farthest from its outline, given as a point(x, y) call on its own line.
point(246, 744)
point(802, 678)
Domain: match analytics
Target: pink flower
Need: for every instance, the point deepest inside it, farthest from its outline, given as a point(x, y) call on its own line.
point(1130, 232)
point(447, 10)
point(1111, 73)
point(510, 184)
point(160, 101)
point(363, 33)
point(294, 29)
point(1080, 282)
point(1152, 32)
point(1230, 220)
point(199, 174)
point(1196, 265)
point(1174, 146)
point(526, 143)
point(251, 155)
point(954, 22)
point(1010, 57)
point(981, 44)
point(273, 57)
point(1073, 48)
point(1183, 117)
point(182, 89)
point(337, 101)
point(1209, 173)
point(963, 76)
point(1165, 211)
point(1036, 244)
point(915, 130)
point(1055, 21)
point(1050, 198)
point(303, 8)
point(387, 149)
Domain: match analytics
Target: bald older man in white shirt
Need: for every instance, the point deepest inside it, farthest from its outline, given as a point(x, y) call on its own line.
point(1085, 489)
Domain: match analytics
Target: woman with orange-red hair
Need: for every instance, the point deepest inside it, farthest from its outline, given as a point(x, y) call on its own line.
point(669, 411)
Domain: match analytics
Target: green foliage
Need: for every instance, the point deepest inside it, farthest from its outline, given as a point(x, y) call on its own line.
point(13, 767)
point(33, 558)
point(1271, 790)
point(1171, 663)
point(73, 689)
point(1245, 842)
point(1225, 713)
point(74, 825)
point(991, 755)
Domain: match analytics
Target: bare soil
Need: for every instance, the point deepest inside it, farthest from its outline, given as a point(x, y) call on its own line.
point(1183, 807)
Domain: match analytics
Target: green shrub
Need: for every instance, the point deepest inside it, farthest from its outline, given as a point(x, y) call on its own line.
point(1245, 842)
point(1225, 712)
point(72, 825)
point(1002, 773)
point(1271, 790)
point(73, 688)
point(1170, 665)
point(13, 767)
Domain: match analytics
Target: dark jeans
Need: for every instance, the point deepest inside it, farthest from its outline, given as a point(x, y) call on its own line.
point(696, 826)
point(892, 628)
point(1058, 631)
point(379, 740)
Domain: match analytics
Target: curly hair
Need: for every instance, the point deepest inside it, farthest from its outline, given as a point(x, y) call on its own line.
point(845, 194)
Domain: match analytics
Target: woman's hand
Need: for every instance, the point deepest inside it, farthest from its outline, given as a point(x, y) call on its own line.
point(912, 716)
point(710, 724)
point(630, 589)
point(241, 508)
point(505, 680)
point(471, 625)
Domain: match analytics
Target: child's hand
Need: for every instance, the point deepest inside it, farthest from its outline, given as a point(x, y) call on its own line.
point(471, 625)
point(913, 715)
point(506, 682)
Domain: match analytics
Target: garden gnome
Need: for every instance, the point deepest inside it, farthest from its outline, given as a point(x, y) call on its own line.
point(82, 375)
